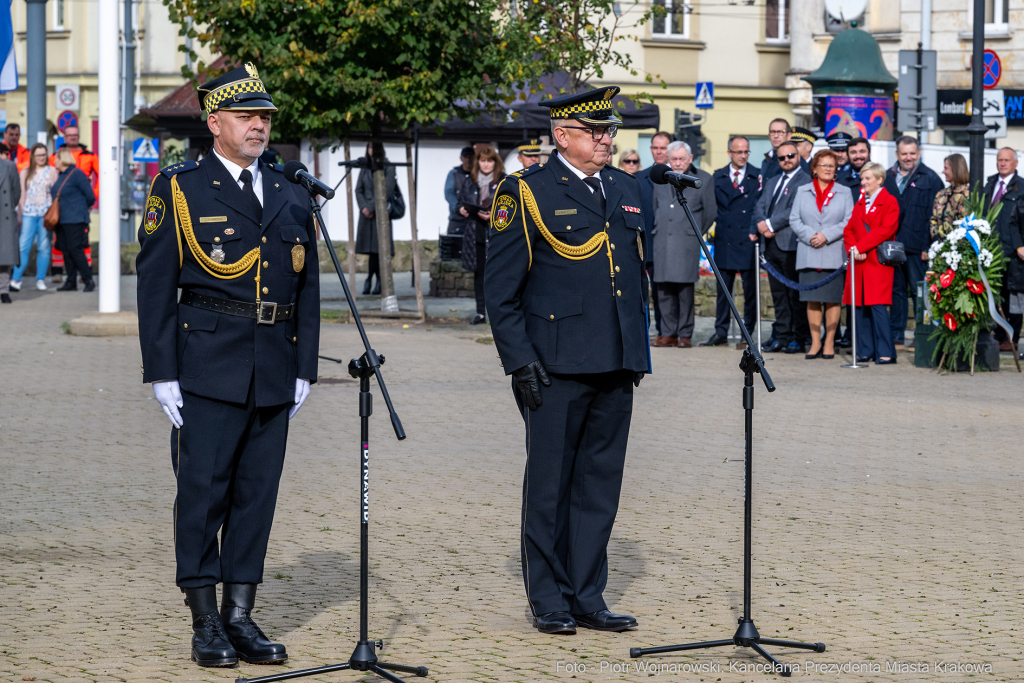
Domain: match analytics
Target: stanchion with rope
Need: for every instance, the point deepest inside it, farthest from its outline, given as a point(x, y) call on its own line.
point(853, 312)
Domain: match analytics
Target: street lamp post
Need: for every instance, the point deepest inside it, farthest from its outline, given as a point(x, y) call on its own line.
point(977, 129)
point(35, 38)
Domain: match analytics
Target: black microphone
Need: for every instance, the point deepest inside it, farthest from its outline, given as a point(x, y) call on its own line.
point(295, 172)
point(361, 162)
point(662, 174)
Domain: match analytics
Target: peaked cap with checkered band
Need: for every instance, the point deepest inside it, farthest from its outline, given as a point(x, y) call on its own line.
point(237, 89)
point(593, 107)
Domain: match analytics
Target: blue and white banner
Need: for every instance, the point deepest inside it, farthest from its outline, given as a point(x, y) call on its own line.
point(9, 71)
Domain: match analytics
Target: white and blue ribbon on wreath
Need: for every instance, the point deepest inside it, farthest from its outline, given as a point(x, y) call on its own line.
point(972, 237)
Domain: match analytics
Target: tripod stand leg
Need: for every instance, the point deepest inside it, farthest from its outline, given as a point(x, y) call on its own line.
point(814, 647)
point(417, 670)
point(778, 666)
point(635, 652)
point(298, 673)
point(385, 675)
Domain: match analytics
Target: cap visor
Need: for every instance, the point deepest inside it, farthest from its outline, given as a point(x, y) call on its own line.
point(254, 104)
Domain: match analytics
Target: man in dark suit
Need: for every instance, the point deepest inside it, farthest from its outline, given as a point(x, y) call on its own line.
point(914, 186)
point(659, 152)
point(778, 244)
point(736, 192)
point(1005, 187)
point(566, 293)
point(232, 361)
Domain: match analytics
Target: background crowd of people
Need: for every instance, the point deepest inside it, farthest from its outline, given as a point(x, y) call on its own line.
point(35, 184)
point(806, 213)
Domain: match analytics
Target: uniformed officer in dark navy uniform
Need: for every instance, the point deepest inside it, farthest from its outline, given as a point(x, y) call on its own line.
point(529, 152)
point(231, 361)
point(838, 142)
point(566, 290)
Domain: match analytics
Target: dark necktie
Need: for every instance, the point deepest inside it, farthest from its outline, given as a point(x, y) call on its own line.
point(775, 197)
point(250, 194)
point(1000, 191)
point(595, 185)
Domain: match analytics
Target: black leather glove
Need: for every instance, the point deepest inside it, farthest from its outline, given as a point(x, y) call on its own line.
point(637, 376)
point(528, 379)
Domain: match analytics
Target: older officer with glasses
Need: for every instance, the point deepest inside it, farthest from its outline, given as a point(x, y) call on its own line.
point(566, 291)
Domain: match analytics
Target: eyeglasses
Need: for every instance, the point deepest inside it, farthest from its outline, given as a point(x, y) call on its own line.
point(776, 132)
point(742, 152)
point(787, 157)
point(631, 161)
point(597, 133)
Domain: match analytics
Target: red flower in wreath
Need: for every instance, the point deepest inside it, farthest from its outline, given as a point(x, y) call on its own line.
point(950, 322)
point(975, 286)
point(946, 279)
point(934, 289)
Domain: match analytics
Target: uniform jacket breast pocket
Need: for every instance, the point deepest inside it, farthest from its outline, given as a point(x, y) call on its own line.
point(211, 235)
point(636, 226)
point(571, 229)
point(557, 324)
point(294, 249)
point(196, 327)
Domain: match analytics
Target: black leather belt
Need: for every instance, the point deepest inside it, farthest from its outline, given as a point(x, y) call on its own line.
point(263, 312)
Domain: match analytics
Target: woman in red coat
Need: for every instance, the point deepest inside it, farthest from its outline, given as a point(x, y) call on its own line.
point(874, 220)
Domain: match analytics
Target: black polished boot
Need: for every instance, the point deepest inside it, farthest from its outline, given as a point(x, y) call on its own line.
point(249, 641)
point(210, 646)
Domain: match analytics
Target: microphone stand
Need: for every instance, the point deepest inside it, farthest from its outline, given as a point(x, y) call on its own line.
point(364, 658)
point(746, 635)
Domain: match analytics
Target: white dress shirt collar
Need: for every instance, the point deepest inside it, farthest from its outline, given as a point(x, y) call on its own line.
point(235, 171)
point(580, 174)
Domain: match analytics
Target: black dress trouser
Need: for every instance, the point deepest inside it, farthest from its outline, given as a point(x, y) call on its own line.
point(575, 454)
point(72, 239)
point(227, 458)
point(790, 313)
point(478, 277)
point(723, 313)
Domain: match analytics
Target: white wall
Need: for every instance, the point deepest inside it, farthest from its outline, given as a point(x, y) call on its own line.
point(436, 158)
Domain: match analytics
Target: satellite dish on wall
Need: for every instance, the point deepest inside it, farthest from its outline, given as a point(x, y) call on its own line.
point(846, 10)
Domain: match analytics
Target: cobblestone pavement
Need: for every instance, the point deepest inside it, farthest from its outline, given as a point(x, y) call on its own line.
point(887, 518)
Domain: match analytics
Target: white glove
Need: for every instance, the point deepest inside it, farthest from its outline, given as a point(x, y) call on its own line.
point(301, 392)
point(168, 393)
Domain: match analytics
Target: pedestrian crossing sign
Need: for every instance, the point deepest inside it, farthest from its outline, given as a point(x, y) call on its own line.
point(705, 98)
point(144, 150)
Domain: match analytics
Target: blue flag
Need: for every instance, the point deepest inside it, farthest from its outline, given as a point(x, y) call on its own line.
point(9, 71)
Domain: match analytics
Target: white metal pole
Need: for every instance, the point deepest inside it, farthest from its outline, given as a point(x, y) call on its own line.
point(757, 289)
point(926, 24)
point(853, 313)
point(109, 157)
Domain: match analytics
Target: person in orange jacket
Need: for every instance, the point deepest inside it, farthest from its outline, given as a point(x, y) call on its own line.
point(16, 152)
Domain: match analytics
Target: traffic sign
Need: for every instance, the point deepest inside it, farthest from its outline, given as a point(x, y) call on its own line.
point(705, 98)
point(994, 103)
point(146, 150)
point(993, 70)
point(996, 127)
point(66, 118)
point(67, 96)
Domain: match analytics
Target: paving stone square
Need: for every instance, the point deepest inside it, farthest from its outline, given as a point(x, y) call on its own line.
point(887, 513)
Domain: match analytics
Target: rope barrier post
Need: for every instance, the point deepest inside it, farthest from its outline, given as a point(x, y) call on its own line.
point(852, 323)
point(757, 287)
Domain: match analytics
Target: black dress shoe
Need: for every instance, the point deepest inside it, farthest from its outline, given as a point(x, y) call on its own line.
point(5, 298)
point(89, 286)
point(366, 286)
point(376, 287)
point(210, 645)
point(865, 359)
point(772, 346)
point(716, 340)
point(603, 620)
point(843, 343)
point(478, 320)
point(794, 347)
point(246, 637)
point(889, 361)
point(68, 286)
point(556, 622)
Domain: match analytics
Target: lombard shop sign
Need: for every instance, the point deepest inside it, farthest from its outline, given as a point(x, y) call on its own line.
point(955, 107)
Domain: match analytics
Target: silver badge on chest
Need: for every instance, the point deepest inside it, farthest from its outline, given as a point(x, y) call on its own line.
point(217, 254)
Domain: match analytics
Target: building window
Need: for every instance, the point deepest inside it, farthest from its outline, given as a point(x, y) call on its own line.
point(777, 21)
point(675, 22)
point(58, 14)
point(997, 12)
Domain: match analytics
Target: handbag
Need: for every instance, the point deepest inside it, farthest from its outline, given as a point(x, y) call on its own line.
point(396, 204)
point(891, 253)
point(52, 216)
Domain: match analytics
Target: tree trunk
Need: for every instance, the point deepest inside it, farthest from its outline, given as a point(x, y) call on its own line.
point(415, 237)
point(388, 300)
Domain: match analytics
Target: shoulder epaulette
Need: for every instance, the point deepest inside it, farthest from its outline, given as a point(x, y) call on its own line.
point(609, 167)
point(171, 171)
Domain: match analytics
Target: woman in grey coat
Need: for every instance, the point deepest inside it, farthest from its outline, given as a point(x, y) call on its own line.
point(821, 210)
point(675, 249)
point(10, 230)
point(366, 231)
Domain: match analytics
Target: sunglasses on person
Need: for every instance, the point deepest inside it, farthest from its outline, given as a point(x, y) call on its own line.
point(597, 133)
point(787, 157)
point(631, 161)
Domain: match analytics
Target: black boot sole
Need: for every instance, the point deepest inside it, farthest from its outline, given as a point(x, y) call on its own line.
point(273, 659)
point(618, 629)
point(225, 662)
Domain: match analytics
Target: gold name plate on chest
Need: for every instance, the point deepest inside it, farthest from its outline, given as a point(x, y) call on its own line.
point(298, 258)
point(565, 212)
point(213, 219)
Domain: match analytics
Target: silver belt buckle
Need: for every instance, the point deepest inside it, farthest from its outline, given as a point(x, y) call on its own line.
point(266, 313)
